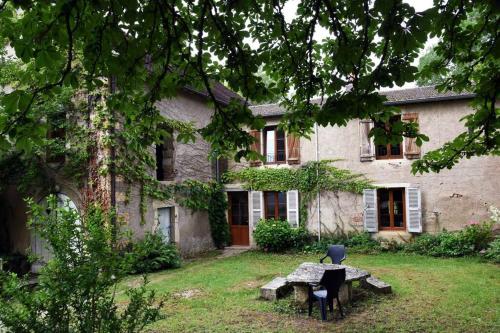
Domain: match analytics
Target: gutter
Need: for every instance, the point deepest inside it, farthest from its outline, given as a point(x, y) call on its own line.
point(318, 198)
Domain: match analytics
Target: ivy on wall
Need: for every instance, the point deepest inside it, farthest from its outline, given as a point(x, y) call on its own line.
point(309, 179)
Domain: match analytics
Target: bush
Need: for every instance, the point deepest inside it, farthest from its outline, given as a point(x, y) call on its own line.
point(76, 288)
point(360, 242)
point(152, 254)
point(493, 251)
point(277, 236)
point(468, 241)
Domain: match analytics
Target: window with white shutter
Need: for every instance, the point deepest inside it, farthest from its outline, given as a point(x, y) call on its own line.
point(370, 210)
point(413, 209)
point(256, 211)
point(292, 200)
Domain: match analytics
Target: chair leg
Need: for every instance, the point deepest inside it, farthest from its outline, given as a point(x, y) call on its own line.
point(330, 304)
point(322, 304)
point(340, 307)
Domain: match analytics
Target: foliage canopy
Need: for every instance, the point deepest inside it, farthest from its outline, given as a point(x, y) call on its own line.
point(168, 45)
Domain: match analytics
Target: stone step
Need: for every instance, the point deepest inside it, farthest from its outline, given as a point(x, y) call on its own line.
point(275, 289)
point(376, 285)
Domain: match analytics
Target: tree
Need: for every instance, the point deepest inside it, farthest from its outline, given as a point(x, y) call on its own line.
point(369, 45)
point(429, 56)
point(77, 289)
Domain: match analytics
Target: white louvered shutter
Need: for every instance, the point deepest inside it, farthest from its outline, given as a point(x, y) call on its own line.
point(256, 211)
point(413, 209)
point(292, 204)
point(370, 210)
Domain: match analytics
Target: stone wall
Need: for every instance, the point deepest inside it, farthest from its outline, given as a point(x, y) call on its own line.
point(191, 229)
point(450, 198)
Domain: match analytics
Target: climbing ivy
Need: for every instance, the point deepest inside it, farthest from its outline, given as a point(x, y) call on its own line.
point(309, 179)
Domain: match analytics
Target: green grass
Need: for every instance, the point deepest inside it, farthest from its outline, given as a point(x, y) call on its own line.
point(429, 295)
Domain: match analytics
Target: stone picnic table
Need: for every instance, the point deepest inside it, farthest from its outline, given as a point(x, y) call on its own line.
point(311, 273)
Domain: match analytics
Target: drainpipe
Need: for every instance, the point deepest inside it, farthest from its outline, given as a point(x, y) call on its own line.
point(318, 198)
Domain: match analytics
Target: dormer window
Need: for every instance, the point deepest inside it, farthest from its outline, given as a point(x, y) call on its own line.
point(274, 145)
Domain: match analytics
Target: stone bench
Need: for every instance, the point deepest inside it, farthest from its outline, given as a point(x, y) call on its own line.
point(275, 289)
point(376, 285)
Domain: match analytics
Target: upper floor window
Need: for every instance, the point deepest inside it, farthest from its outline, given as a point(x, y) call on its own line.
point(274, 145)
point(389, 151)
point(275, 205)
point(165, 159)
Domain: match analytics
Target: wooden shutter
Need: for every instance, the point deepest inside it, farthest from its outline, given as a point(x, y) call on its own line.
point(370, 219)
point(256, 146)
point(293, 149)
point(413, 210)
point(256, 211)
point(367, 150)
point(411, 150)
point(292, 204)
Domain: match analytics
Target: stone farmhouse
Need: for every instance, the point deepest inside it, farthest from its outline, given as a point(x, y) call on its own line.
point(176, 162)
point(402, 205)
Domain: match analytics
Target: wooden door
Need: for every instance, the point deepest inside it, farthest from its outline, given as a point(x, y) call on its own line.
point(238, 218)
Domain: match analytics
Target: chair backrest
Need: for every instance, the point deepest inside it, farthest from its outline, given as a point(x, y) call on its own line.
point(332, 280)
point(336, 253)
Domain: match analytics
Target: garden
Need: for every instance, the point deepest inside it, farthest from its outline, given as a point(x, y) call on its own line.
point(127, 286)
point(210, 294)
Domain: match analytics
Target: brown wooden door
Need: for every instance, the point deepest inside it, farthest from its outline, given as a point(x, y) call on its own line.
point(238, 218)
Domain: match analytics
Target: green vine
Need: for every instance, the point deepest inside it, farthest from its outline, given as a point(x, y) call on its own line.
point(309, 179)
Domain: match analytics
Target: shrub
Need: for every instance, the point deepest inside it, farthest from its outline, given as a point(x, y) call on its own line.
point(277, 236)
point(360, 242)
point(468, 241)
point(493, 251)
point(75, 291)
point(152, 254)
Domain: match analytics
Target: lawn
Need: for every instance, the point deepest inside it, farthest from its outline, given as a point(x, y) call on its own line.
point(429, 295)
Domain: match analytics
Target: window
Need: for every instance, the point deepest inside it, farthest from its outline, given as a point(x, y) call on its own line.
point(238, 208)
point(391, 208)
point(389, 151)
point(165, 159)
point(275, 205)
point(274, 145)
point(165, 223)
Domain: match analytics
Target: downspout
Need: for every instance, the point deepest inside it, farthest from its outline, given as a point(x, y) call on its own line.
point(318, 198)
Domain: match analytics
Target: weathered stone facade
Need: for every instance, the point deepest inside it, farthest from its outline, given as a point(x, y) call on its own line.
point(189, 230)
point(450, 199)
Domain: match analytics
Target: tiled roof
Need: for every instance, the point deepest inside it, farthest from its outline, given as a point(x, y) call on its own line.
point(394, 97)
point(421, 95)
point(221, 93)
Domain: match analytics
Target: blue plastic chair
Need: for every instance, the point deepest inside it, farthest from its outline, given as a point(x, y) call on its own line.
point(331, 282)
point(337, 253)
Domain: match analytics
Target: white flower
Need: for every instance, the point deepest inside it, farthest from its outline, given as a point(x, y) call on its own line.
point(495, 214)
